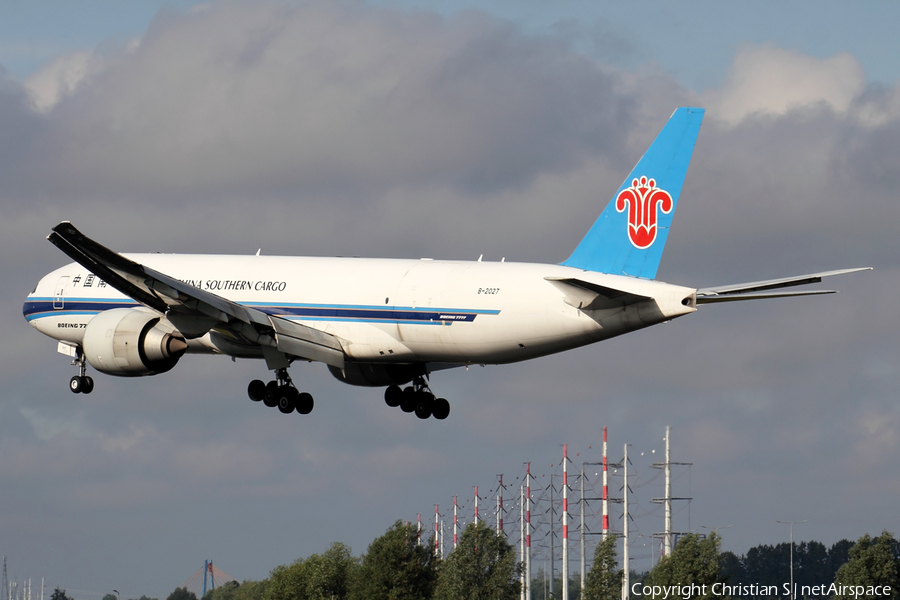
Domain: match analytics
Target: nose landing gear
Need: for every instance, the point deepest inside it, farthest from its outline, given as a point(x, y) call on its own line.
point(417, 398)
point(281, 392)
point(81, 383)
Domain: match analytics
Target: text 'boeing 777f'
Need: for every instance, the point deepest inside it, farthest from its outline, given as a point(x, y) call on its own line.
point(380, 322)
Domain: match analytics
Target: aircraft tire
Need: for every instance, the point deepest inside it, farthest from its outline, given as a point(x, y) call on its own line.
point(256, 390)
point(88, 385)
point(423, 409)
point(393, 395)
point(287, 399)
point(441, 409)
point(76, 384)
point(271, 397)
point(305, 403)
point(408, 401)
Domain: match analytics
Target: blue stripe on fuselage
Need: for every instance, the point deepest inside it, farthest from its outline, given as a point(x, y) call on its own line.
point(36, 308)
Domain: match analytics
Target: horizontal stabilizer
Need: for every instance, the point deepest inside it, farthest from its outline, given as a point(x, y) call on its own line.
point(591, 296)
point(737, 297)
point(189, 305)
point(746, 291)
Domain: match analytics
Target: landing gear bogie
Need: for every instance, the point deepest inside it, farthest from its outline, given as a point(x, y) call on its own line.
point(417, 398)
point(281, 392)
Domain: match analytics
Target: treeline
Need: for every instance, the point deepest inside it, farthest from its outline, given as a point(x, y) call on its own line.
point(868, 569)
point(484, 566)
point(814, 564)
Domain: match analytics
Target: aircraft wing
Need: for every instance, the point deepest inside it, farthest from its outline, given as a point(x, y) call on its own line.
point(192, 310)
point(749, 291)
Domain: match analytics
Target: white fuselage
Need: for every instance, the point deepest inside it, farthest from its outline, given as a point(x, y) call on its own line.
point(383, 310)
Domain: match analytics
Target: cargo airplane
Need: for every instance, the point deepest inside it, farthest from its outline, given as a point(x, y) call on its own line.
point(381, 322)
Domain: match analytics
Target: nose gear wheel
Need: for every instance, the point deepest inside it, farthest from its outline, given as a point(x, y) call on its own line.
point(81, 383)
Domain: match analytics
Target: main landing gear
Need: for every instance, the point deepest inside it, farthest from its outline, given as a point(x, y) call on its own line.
point(81, 383)
point(417, 398)
point(281, 392)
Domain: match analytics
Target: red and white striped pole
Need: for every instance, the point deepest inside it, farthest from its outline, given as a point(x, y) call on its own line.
point(436, 530)
point(565, 524)
point(476, 505)
point(455, 523)
point(528, 529)
point(605, 491)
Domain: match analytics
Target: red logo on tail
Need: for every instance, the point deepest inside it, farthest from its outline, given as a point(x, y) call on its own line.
point(642, 200)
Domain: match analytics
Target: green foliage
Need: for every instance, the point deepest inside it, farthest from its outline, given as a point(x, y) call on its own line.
point(319, 577)
point(694, 561)
point(181, 593)
point(59, 594)
point(482, 567)
point(540, 586)
point(110, 597)
point(767, 565)
point(396, 567)
point(232, 590)
point(872, 563)
point(604, 580)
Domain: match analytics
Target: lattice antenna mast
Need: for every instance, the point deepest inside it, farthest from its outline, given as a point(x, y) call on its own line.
point(668, 534)
point(5, 581)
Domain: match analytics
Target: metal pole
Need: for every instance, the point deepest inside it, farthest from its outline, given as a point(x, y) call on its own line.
point(528, 531)
point(522, 539)
point(565, 524)
point(552, 545)
point(667, 537)
point(626, 581)
point(500, 507)
point(605, 492)
point(792, 523)
point(437, 531)
point(455, 524)
point(581, 540)
point(476, 505)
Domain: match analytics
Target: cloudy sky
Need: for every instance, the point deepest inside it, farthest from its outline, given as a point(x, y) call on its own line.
point(449, 129)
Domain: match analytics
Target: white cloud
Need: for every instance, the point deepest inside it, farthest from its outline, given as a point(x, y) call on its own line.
point(775, 81)
point(62, 77)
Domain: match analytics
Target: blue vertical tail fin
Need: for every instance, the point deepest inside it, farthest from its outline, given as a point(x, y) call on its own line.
point(629, 236)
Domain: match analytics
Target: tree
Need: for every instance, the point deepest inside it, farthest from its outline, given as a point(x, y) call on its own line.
point(872, 563)
point(59, 594)
point(319, 577)
point(396, 567)
point(604, 580)
point(482, 567)
point(694, 561)
point(110, 597)
point(181, 593)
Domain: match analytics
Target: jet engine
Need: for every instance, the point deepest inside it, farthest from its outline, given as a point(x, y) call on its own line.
point(375, 374)
point(132, 342)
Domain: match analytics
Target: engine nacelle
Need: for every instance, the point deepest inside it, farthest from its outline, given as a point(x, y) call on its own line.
point(377, 374)
point(131, 342)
